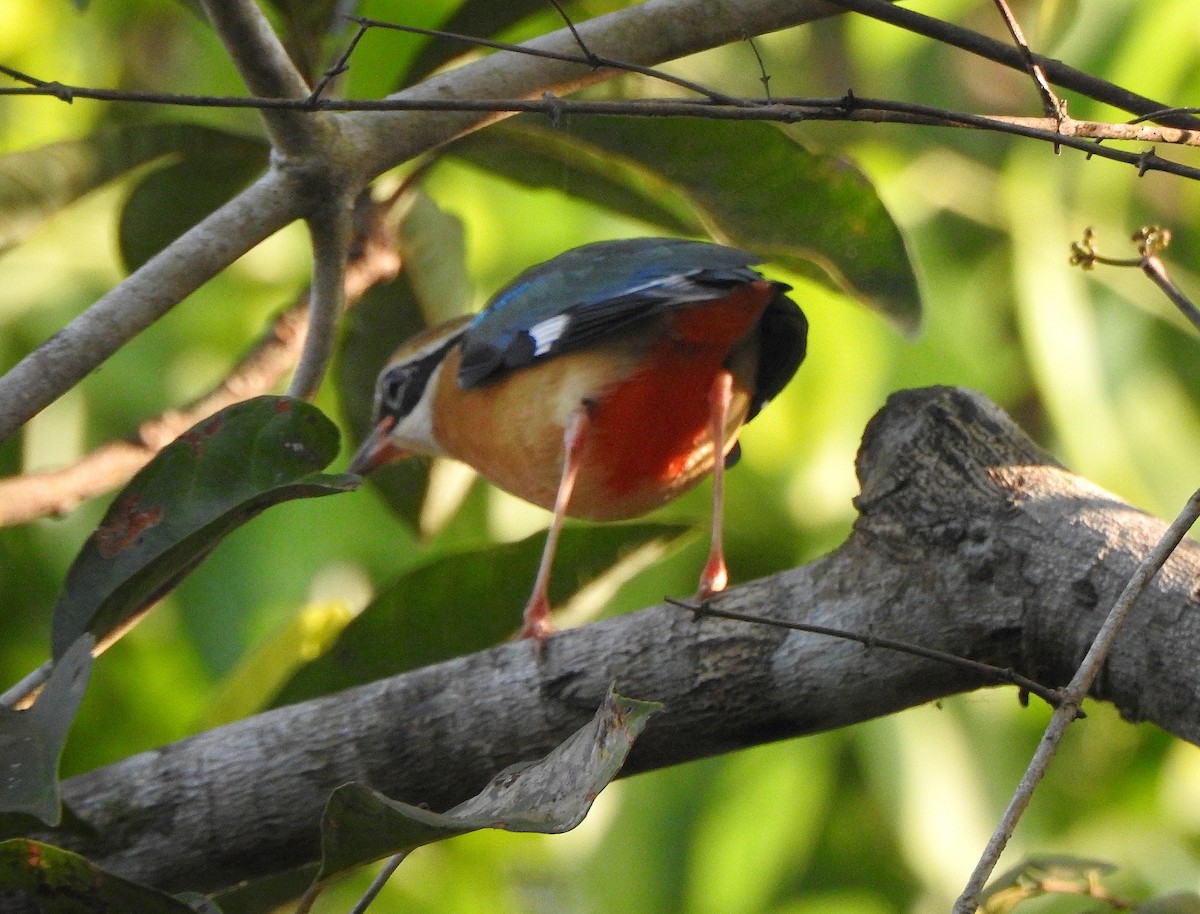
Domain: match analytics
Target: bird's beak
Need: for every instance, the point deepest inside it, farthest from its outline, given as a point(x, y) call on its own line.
point(377, 450)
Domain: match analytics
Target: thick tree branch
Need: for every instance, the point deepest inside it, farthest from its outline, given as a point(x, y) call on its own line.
point(265, 68)
point(970, 540)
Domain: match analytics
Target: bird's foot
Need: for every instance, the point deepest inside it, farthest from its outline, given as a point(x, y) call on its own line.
point(538, 626)
point(714, 579)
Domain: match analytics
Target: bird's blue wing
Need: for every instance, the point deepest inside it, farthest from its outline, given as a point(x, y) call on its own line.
point(593, 292)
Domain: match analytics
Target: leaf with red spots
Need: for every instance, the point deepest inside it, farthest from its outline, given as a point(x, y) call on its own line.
point(550, 795)
point(210, 480)
point(65, 882)
point(31, 741)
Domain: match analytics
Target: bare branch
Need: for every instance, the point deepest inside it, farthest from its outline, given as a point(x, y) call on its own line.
point(1052, 105)
point(330, 231)
point(267, 70)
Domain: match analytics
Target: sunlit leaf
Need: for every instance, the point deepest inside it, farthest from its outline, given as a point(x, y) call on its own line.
point(260, 674)
point(209, 481)
point(32, 740)
point(433, 286)
point(416, 620)
point(172, 199)
point(550, 795)
point(747, 183)
point(433, 248)
point(37, 183)
point(66, 883)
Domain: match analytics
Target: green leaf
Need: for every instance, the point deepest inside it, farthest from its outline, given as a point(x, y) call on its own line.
point(37, 183)
point(551, 795)
point(417, 619)
point(32, 741)
point(433, 287)
point(209, 481)
point(260, 674)
point(476, 18)
point(535, 156)
point(746, 183)
point(66, 883)
point(172, 199)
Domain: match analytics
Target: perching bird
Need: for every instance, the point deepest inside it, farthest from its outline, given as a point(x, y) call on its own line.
point(599, 384)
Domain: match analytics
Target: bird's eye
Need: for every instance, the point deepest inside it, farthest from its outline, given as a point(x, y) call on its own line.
point(394, 387)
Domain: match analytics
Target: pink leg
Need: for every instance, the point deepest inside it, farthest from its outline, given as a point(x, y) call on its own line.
point(716, 575)
point(537, 610)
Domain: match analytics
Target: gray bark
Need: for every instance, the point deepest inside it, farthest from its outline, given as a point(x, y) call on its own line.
point(969, 540)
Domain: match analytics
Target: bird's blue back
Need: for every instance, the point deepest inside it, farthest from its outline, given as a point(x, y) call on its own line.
point(591, 292)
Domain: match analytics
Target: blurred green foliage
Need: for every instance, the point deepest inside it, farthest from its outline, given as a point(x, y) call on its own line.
point(887, 816)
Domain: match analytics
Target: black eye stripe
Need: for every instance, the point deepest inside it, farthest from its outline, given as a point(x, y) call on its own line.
point(402, 386)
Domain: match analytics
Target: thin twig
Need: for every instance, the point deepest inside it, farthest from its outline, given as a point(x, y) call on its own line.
point(1154, 268)
point(378, 882)
point(1072, 133)
point(56, 89)
point(764, 77)
point(1151, 241)
point(1000, 674)
point(340, 66)
point(1072, 699)
point(562, 14)
point(1163, 113)
point(1052, 105)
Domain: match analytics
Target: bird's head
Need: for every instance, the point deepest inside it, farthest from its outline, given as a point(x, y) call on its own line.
point(402, 418)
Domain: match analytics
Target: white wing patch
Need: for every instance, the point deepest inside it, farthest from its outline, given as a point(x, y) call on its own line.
point(546, 333)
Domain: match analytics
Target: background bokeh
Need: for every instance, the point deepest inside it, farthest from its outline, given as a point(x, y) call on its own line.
point(887, 816)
